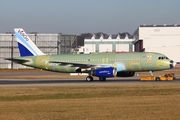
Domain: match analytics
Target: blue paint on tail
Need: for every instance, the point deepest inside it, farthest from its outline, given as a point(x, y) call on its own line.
point(25, 44)
point(24, 51)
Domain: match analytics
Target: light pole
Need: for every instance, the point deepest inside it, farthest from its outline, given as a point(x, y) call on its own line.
point(12, 50)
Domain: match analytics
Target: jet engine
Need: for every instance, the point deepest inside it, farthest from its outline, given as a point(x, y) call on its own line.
point(105, 72)
point(125, 74)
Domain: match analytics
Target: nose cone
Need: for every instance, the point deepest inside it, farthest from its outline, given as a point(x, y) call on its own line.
point(172, 64)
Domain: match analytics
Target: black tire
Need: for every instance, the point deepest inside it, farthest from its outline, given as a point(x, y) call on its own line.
point(158, 78)
point(102, 79)
point(89, 78)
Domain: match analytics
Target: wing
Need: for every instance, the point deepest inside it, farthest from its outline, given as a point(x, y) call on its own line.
point(80, 65)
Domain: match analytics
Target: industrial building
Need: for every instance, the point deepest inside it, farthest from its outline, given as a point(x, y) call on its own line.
point(158, 38)
point(111, 43)
point(147, 38)
point(48, 43)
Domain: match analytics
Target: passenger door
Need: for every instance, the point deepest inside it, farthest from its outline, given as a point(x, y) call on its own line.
point(149, 59)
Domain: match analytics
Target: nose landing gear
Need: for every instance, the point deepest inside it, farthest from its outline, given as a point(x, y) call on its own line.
point(151, 73)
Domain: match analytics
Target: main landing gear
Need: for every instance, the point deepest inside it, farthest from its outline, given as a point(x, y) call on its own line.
point(90, 78)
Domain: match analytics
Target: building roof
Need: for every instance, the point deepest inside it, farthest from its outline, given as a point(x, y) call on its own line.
point(164, 25)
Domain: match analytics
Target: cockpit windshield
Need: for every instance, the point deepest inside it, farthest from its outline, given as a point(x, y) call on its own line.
point(162, 58)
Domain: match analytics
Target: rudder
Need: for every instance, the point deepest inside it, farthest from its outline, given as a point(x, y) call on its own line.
point(25, 44)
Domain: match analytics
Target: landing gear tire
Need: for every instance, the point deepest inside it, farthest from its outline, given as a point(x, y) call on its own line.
point(102, 79)
point(89, 78)
point(158, 78)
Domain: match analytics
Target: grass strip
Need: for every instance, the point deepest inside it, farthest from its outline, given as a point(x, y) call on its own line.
point(96, 102)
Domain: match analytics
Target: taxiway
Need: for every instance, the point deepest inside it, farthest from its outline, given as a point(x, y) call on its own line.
point(62, 82)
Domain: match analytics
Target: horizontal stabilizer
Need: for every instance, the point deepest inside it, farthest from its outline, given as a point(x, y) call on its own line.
point(20, 61)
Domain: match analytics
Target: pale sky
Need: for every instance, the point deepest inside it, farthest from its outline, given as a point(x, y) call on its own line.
point(83, 16)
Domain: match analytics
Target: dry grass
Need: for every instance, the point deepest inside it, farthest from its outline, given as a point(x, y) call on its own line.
point(109, 102)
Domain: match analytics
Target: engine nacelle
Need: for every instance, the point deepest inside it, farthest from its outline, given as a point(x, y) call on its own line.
point(105, 72)
point(125, 74)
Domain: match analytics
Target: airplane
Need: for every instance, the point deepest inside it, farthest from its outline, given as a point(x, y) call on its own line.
point(102, 65)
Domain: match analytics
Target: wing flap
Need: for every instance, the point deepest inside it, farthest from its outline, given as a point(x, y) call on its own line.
point(80, 65)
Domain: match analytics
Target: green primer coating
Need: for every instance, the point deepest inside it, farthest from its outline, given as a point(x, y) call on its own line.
point(143, 61)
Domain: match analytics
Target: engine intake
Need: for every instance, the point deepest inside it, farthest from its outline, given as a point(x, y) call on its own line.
point(105, 72)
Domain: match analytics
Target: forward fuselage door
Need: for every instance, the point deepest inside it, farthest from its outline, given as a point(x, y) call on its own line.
point(149, 59)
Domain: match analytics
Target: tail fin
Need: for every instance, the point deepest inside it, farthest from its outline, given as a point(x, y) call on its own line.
point(25, 44)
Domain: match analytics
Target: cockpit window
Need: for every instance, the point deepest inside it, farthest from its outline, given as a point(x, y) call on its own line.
point(162, 58)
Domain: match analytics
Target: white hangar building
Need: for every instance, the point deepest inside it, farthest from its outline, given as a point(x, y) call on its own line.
point(158, 38)
point(112, 43)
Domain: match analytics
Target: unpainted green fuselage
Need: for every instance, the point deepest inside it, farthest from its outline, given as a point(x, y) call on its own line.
point(69, 63)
